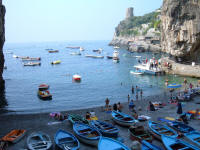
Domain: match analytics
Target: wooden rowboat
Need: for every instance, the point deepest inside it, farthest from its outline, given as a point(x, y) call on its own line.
point(110, 144)
point(105, 128)
point(86, 134)
point(123, 119)
point(39, 141)
point(77, 118)
point(66, 141)
point(160, 129)
point(181, 127)
point(14, 136)
point(149, 146)
point(172, 143)
point(139, 133)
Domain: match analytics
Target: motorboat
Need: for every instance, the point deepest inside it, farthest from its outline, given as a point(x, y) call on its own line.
point(31, 59)
point(43, 92)
point(56, 62)
point(53, 51)
point(137, 72)
point(76, 77)
point(32, 64)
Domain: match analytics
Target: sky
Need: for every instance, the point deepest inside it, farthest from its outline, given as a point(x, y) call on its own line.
point(64, 20)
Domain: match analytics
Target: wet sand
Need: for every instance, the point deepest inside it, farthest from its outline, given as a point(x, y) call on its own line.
point(39, 122)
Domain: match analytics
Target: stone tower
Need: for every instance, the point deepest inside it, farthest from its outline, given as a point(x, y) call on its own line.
point(129, 12)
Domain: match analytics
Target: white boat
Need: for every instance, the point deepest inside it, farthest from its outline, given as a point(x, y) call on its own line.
point(93, 56)
point(115, 54)
point(76, 77)
point(137, 72)
point(116, 47)
point(32, 64)
point(75, 53)
point(15, 56)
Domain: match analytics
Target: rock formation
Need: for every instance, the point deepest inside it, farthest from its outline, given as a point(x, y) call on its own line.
point(2, 39)
point(129, 12)
point(180, 28)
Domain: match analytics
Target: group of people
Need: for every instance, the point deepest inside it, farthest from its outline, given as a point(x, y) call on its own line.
point(136, 91)
point(116, 106)
point(90, 115)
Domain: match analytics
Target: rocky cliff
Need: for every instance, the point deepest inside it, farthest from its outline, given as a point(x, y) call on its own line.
point(2, 39)
point(180, 28)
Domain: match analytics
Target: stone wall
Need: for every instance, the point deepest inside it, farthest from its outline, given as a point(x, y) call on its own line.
point(2, 40)
point(180, 28)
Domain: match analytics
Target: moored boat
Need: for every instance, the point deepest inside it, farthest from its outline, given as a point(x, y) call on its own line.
point(109, 57)
point(149, 146)
point(181, 127)
point(39, 141)
point(75, 53)
point(55, 62)
point(65, 140)
point(53, 51)
point(31, 59)
point(32, 64)
point(105, 128)
point(73, 47)
point(110, 144)
point(93, 56)
point(172, 143)
point(123, 119)
point(160, 129)
point(43, 92)
point(86, 134)
point(77, 118)
point(194, 137)
point(76, 77)
point(82, 49)
point(14, 136)
point(116, 47)
point(137, 72)
point(139, 133)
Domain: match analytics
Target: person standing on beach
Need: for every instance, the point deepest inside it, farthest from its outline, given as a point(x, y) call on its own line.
point(115, 107)
point(132, 89)
point(107, 101)
point(141, 92)
point(119, 107)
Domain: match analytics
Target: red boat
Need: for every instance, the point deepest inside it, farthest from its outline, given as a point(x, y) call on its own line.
point(77, 77)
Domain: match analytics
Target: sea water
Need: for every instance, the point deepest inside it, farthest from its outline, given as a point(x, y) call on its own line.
point(101, 78)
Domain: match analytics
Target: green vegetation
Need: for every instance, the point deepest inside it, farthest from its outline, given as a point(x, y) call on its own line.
point(128, 26)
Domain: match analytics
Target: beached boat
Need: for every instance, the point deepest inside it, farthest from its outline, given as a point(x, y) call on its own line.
point(137, 72)
point(14, 136)
point(75, 53)
point(66, 141)
point(172, 143)
point(123, 119)
point(160, 129)
point(43, 92)
point(77, 118)
point(139, 133)
point(105, 128)
point(32, 64)
point(76, 77)
point(194, 137)
point(86, 134)
point(39, 141)
point(55, 62)
point(31, 59)
point(181, 127)
point(110, 144)
point(53, 51)
point(149, 146)
point(109, 57)
point(93, 56)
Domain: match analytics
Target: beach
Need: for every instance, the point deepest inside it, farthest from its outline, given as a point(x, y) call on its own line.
point(43, 122)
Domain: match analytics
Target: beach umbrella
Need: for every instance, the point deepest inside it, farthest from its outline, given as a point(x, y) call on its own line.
point(174, 86)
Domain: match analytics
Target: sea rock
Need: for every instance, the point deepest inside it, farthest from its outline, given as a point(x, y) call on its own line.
point(180, 28)
point(2, 40)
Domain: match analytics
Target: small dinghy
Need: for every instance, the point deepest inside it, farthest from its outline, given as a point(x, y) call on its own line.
point(160, 129)
point(39, 141)
point(181, 127)
point(139, 133)
point(149, 146)
point(105, 128)
point(66, 141)
point(75, 53)
point(109, 57)
point(123, 119)
point(32, 64)
point(55, 62)
point(53, 51)
point(194, 137)
point(30, 58)
point(110, 144)
point(77, 118)
point(76, 78)
point(43, 92)
point(86, 134)
point(14, 136)
point(172, 143)
point(137, 72)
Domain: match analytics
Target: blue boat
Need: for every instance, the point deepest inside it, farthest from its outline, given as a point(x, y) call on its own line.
point(105, 128)
point(110, 144)
point(194, 137)
point(86, 133)
point(148, 146)
point(172, 143)
point(160, 129)
point(65, 140)
point(181, 127)
point(123, 119)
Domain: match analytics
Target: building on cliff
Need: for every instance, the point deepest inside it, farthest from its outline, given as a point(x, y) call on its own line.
point(129, 12)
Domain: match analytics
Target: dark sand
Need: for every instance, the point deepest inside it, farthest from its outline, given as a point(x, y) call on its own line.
point(39, 122)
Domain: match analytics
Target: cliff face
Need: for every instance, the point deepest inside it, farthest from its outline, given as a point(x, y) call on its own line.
point(2, 40)
point(180, 28)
